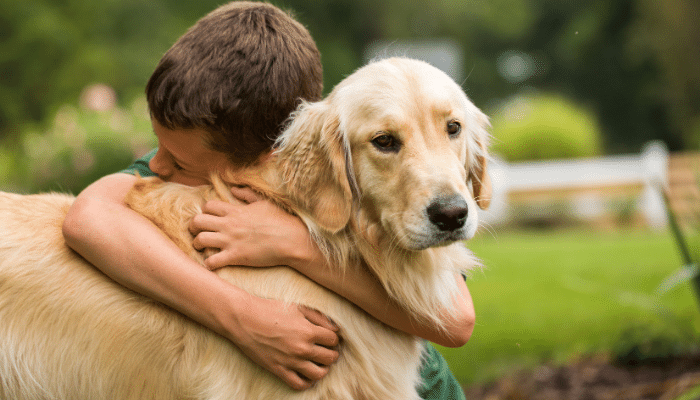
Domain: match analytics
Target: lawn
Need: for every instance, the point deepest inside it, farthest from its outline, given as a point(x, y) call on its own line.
point(552, 296)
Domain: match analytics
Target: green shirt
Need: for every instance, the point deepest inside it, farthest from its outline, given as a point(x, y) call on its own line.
point(438, 381)
point(141, 165)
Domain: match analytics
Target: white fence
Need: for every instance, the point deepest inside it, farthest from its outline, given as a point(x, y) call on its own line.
point(586, 184)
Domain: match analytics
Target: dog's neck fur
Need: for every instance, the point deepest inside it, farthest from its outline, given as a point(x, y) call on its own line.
point(423, 282)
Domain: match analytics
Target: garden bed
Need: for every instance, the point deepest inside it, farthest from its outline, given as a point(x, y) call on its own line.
point(597, 378)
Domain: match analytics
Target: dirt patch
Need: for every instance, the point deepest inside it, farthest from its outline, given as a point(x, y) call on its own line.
point(597, 378)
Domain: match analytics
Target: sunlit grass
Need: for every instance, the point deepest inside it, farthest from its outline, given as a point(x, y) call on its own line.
point(551, 296)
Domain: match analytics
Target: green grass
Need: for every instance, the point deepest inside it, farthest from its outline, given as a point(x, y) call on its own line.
point(556, 295)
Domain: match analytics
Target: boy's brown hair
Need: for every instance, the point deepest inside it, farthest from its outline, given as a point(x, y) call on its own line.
point(237, 73)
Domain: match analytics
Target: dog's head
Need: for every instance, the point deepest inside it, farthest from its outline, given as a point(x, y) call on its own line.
point(400, 139)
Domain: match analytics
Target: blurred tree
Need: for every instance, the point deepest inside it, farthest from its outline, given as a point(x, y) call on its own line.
point(667, 34)
point(580, 50)
point(634, 62)
point(341, 28)
point(51, 49)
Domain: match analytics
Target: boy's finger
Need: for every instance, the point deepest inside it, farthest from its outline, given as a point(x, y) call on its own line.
point(327, 338)
point(203, 223)
point(317, 318)
point(244, 194)
point(216, 207)
point(312, 371)
point(325, 356)
point(208, 239)
point(216, 261)
point(293, 379)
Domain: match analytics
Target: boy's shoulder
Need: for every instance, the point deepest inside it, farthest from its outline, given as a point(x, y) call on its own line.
point(141, 166)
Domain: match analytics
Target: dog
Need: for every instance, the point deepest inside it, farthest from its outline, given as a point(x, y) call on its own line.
point(388, 170)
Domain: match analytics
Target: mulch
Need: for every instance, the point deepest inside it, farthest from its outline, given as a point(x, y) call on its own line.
point(597, 378)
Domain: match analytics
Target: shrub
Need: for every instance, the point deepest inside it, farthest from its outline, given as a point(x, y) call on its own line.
point(654, 340)
point(543, 127)
point(79, 147)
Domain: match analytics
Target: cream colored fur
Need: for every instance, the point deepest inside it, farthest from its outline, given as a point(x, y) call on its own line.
point(69, 332)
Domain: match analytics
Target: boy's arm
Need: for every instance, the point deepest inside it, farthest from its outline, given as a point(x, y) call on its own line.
point(288, 341)
point(260, 234)
point(359, 286)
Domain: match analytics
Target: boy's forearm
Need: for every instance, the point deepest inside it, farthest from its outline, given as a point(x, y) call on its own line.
point(295, 344)
point(134, 253)
point(362, 288)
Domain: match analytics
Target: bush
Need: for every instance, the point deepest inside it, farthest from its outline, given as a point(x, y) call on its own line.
point(654, 340)
point(79, 147)
point(543, 127)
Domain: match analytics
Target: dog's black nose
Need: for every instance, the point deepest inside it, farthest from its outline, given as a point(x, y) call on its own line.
point(448, 213)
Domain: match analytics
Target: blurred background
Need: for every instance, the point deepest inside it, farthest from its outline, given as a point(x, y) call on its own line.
point(595, 107)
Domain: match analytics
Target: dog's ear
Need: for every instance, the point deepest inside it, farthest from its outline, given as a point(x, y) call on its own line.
point(314, 160)
point(478, 174)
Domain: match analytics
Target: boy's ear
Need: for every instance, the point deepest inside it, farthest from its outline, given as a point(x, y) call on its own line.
point(478, 174)
point(314, 160)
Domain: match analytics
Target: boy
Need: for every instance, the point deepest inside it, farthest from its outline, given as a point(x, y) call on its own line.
point(217, 99)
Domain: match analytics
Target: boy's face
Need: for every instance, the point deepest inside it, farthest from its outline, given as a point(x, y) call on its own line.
point(183, 157)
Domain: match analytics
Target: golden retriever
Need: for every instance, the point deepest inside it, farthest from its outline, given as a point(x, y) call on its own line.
point(388, 169)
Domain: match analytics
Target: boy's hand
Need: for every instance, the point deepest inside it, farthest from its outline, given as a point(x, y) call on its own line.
point(256, 233)
point(297, 344)
point(293, 342)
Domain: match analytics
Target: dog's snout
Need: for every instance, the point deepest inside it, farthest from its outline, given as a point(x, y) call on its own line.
point(448, 213)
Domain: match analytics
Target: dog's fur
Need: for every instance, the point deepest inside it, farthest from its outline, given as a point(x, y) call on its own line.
point(67, 331)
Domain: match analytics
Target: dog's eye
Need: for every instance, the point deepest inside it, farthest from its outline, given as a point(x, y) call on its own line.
point(386, 142)
point(454, 128)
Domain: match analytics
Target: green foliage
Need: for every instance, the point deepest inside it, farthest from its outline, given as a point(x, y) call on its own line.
point(79, 147)
point(51, 49)
point(654, 339)
point(543, 127)
point(632, 61)
point(635, 60)
point(665, 34)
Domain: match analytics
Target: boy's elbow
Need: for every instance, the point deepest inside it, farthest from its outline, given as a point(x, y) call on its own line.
point(467, 328)
point(73, 228)
point(93, 205)
point(461, 331)
point(70, 229)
